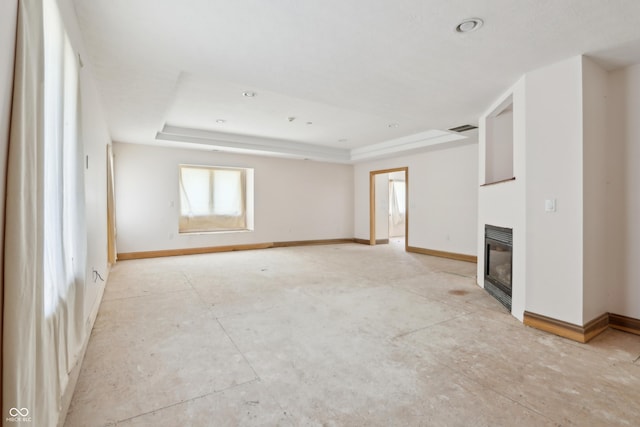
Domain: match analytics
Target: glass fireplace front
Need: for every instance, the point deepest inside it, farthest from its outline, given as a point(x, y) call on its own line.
point(498, 260)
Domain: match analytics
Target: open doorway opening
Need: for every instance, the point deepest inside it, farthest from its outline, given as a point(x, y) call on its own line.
point(388, 206)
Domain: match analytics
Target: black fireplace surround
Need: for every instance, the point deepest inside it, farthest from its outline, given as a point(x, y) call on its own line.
point(498, 251)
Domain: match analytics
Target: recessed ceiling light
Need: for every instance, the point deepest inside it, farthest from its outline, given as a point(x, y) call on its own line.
point(249, 94)
point(221, 121)
point(469, 25)
point(393, 125)
point(343, 140)
point(291, 118)
point(309, 123)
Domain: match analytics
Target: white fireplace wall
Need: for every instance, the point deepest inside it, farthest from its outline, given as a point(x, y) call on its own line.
point(599, 249)
point(576, 139)
point(503, 204)
point(554, 156)
point(623, 147)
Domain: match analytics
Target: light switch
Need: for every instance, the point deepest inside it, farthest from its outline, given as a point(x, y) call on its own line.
point(550, 205)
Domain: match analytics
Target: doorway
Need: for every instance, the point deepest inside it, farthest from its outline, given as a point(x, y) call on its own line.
point(381, 209)
point(397, 208)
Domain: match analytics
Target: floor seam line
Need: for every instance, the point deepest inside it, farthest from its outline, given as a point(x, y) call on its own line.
point(222, 390)
point(193, 288)
point(481, 384)
point(517, 402)
point(428, 326)
point(147, 295)
point(238, 349)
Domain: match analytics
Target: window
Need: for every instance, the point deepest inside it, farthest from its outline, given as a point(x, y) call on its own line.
point(63, 196)
point(214, 199)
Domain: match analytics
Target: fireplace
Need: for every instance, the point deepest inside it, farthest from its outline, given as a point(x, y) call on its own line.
point(498, 249)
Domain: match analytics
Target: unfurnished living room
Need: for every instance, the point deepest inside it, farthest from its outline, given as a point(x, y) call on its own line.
point(336, 213)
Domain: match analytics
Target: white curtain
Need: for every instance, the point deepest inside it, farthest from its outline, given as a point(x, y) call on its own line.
point(45, 242)
point(398, 204)
point(65, 245)
point(212, 199)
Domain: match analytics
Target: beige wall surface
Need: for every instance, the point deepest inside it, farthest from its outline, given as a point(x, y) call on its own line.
point(294, 199)
point(443, 196)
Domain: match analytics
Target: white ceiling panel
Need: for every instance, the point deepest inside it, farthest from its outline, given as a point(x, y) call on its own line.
point(350, 67)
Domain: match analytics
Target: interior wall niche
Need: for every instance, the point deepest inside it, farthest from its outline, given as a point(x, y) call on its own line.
point(499, 143)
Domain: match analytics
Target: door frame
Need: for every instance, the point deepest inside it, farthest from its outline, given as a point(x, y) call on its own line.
point(372, 203)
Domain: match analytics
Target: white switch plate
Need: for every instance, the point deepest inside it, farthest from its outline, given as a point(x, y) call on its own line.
point(550, 205)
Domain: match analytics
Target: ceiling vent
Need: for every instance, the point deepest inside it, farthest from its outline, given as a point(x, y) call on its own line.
point(463, 128)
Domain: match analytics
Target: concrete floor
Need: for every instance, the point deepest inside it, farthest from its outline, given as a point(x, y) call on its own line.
point(344, 335)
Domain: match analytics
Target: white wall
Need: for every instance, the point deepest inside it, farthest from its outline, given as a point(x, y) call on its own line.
point(95, 136)
point(8, 11)
point(554, 171)
point(624, 158)
point(382, 205)
point(599, 252)
point(294, 199)
point(442, 196)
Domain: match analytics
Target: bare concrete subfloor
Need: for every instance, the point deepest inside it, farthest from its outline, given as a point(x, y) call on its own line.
point(343, 335)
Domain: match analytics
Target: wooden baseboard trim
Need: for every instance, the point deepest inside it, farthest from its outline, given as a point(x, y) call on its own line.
point(568, 330)
point(312, 242)
point(362, 241)
point(191, 251)
point(624, 323)
point(367, 242)
point(596, 326)
point(214, 249)
point(443, 254)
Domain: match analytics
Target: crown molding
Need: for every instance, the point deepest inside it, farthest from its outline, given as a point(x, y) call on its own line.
point(276, 147)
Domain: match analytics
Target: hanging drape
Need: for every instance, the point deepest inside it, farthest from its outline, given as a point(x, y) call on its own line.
point(65, 245)
point(9, 11)
point(397, 205)
point(23, 275)
point(45, 241)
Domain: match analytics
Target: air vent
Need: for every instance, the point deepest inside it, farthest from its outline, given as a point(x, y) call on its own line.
point(463, 128)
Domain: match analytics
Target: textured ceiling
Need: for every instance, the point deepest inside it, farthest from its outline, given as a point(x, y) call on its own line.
point(343, 69)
